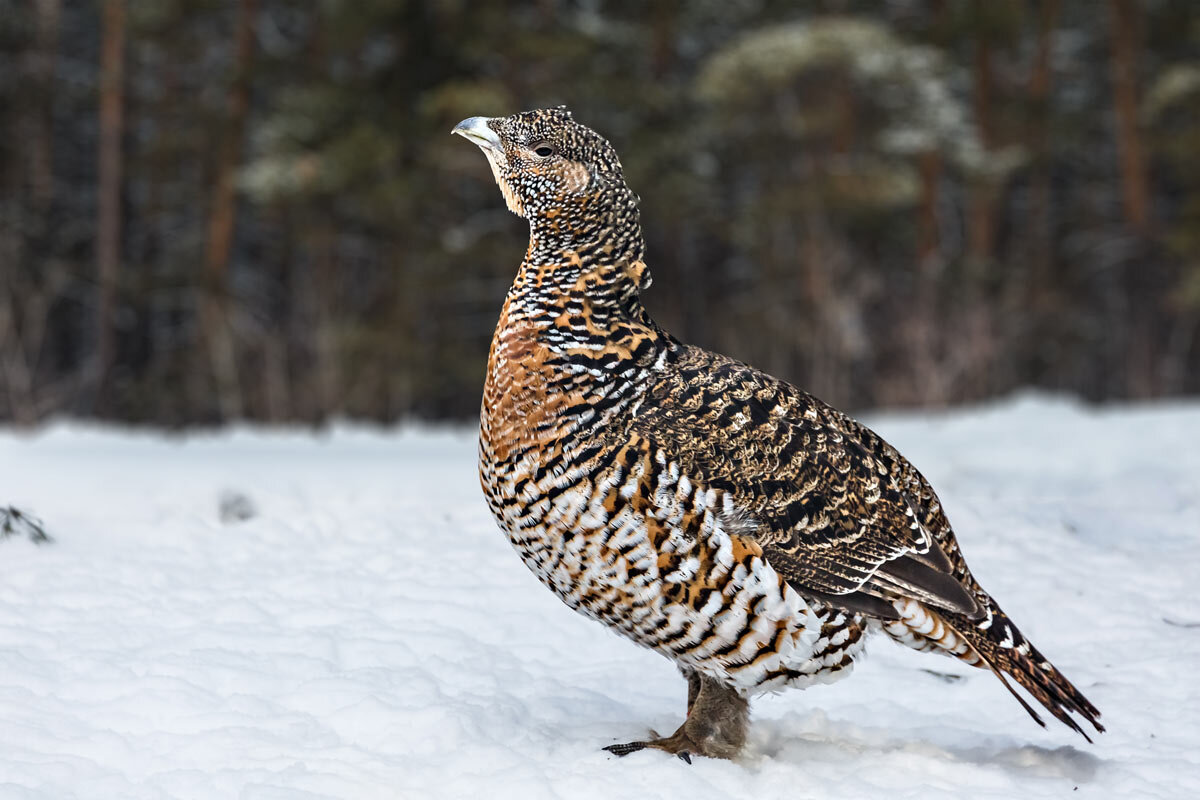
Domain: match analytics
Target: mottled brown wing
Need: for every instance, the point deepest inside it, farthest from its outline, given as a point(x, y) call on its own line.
point(831, 510)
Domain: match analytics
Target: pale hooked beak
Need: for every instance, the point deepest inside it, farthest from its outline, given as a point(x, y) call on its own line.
point(478, 131)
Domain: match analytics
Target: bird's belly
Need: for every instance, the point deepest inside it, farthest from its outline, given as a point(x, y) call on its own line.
point(675, 582)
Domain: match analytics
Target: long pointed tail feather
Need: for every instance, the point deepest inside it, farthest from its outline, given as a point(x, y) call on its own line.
point(996, 644)
point(1049, 687)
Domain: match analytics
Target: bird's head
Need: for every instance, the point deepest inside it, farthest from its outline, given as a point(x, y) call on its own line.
point(563, 177)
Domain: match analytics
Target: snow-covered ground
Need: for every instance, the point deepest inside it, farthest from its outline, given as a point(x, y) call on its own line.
point(370, 634)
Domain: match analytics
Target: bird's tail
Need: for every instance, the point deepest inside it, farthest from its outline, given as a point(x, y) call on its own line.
point(995, 643)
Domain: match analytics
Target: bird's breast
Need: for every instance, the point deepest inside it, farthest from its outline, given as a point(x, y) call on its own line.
point(517, 396)
point(528, 412)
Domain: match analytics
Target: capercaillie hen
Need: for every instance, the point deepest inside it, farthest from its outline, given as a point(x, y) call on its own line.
point(704, 509)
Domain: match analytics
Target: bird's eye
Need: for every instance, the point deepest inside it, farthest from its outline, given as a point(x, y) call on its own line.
point(544, 150)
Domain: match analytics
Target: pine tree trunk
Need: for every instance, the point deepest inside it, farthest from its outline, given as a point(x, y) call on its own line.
point(929, 166)
point(326, 372)
point(921, 326)
point(108, 224)
point(217, 312)
point(1041, 245)
point(980, 230)
point(1125, 57)
point(41, 143)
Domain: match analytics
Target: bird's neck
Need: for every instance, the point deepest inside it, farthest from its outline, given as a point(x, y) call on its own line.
point(581, 295)
point(608, 291)
point(574, 346)
point(582, 259)
point(602, 229)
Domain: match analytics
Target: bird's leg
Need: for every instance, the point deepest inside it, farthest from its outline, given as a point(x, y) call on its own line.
point(715, 727)
point(693, 679)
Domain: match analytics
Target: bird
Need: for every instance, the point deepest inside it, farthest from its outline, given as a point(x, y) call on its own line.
point(722, 517)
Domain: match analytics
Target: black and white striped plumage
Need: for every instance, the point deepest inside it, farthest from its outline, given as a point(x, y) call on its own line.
point(704, 509)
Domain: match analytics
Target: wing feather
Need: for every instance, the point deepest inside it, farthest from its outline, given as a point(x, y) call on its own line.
point(833, 510)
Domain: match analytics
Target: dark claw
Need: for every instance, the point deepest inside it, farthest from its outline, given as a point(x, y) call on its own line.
point(625, 749)
point(685, 756)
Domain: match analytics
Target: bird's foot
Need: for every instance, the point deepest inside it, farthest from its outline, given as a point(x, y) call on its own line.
point(678, 743)
point(683, 744)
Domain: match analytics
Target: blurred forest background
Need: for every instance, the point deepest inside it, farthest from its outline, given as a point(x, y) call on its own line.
point(224, 209)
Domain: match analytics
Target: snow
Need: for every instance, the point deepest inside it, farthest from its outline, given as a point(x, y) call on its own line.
point(368, 633)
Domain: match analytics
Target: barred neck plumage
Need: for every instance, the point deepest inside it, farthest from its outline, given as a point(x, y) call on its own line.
point(573, 328)
point(602, 226)
point(584, 259)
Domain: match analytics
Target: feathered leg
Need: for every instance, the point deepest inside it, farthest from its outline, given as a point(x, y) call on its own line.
point(715, 727)
point(693, 679)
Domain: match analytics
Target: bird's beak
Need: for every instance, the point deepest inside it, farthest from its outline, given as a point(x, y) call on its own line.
point(478, 131)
